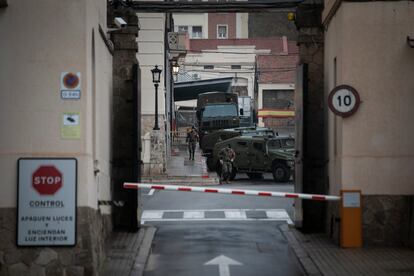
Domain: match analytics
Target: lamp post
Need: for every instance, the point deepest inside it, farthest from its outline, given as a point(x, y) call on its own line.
point(156, 74)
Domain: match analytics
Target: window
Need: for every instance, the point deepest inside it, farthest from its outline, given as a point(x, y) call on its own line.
point(258, 146)
point(183, 29)
point(242, 144)
point(221, 31)
point(210, 67)
point(236, 67)
point(197, 32)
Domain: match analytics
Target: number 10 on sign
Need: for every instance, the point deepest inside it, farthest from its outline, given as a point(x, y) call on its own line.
point(344, 100)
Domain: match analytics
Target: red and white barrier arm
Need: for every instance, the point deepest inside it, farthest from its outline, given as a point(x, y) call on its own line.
point(230, 191)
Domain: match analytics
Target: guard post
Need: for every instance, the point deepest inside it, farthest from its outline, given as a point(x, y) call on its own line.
point(351, 219)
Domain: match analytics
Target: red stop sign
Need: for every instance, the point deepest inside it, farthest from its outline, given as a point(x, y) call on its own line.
point(47, 180)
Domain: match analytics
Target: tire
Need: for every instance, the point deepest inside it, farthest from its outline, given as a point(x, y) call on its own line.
point(281, 172)
point(210, 165)
point(255, 175)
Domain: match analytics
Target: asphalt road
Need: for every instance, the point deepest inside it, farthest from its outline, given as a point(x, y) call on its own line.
point(214, 234)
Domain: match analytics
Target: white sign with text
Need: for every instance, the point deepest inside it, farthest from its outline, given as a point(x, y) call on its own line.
point(46, 214)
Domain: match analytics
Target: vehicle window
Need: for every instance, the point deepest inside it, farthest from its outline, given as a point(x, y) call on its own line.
point(242, 144)
point(258, 146)
point(274, 144)
point(288, 143)
point(220, 110)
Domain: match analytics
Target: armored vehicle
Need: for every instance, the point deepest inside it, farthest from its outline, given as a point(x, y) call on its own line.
point(210, 139)
point(256, 155)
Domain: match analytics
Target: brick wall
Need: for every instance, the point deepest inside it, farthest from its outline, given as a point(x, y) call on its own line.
point(215, 19)
point(259, 25)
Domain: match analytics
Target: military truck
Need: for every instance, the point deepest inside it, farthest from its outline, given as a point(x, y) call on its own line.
point(210, 139)
point(256, 155)
point(216, 110)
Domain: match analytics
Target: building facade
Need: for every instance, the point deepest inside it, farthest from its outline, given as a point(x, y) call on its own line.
point(366, 47)
point(38, 50)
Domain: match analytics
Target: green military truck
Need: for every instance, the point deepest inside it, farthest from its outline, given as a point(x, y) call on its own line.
point(256, 155)
point(210, 139)
point(216, 110)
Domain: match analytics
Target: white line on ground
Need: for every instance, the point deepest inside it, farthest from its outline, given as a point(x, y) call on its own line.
point(229, 215)
point(151, 192)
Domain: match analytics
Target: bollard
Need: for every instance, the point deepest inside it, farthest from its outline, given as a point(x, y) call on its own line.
point(351, 219)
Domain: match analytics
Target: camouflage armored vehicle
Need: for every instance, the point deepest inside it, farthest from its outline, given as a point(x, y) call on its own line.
point(210, 139)
point(256, 155)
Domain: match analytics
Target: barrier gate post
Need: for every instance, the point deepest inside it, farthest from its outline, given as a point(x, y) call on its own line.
point(351, 219)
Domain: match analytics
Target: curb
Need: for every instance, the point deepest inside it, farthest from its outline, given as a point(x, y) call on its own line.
point(144, 251)
point(291, 236)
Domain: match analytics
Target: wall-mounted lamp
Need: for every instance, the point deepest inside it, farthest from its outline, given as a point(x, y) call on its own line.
point(175, 67)
point(410, 41)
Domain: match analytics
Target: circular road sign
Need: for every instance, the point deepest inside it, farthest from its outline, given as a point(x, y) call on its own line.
point(47, 180)
point(343, 100)
point(70, 80)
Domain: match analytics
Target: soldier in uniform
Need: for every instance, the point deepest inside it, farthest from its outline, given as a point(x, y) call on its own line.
point(226, 156)
point(192, 138)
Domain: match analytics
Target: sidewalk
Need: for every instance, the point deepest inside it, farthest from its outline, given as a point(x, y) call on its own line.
point(181, 170)
point(320, 256)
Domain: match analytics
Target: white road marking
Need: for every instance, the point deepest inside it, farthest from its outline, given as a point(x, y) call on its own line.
point(151, 192)
point(229, 215)
point(279, 215)
point(152, 215)
point(240, 214)
point(223, 263)
point(193, 215)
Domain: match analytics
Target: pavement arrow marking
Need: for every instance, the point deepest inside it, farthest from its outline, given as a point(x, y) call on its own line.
point(223, 263)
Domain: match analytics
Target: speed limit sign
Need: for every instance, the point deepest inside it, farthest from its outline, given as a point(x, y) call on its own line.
point(343, 100)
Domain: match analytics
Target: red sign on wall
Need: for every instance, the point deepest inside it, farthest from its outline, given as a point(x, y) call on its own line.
point(47, 180)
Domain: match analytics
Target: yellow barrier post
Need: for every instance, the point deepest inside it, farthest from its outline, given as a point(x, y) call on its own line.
point(351, 219)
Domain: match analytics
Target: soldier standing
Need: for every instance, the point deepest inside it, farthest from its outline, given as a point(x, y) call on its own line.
point(226, 156)
point(192, 138)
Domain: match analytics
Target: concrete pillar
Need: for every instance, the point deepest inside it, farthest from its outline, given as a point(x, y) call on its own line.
point(310, 41)
point(126, 123)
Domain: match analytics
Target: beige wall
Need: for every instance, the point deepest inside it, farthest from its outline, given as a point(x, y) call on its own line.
point(374, 147)
point(40, 41)
point(151, 53)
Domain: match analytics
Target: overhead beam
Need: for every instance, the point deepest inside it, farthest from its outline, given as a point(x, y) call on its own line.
point(3, 3)
point(212, 7)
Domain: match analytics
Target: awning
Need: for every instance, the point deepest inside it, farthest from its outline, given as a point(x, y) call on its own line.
point(275, 113)
point(189, 90)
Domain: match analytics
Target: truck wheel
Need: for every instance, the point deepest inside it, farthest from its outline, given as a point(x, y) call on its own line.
point(255, 175)
point(280, 172)
point(210, 165)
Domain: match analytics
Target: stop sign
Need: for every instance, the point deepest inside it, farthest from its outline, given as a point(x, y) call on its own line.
point(47, 180)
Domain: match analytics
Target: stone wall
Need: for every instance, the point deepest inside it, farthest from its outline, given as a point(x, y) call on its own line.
point(386, 220)
point(155, 159)
point(85, 258)
point(314, 149)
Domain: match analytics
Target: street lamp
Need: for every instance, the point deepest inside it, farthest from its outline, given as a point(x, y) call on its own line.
point(156, 74)
point(175, 68)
